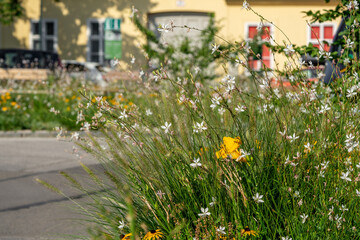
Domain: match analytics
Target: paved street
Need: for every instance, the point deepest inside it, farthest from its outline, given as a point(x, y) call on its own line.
point(27, 209)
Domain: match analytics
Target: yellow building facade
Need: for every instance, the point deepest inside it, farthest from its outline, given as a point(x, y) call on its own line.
point(75, 28)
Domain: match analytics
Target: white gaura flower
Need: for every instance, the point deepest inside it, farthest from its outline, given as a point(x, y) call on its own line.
point(166, 127)
point(221, 230)
point(286, 238)
point(358, 193)
point(74, 135)
point(240, 108)
point(352, 91)
point(238, 61)
point(196, 163)
point(307, 147)
point(328, 55)
point(283, 133)
point(164, 28)
point(142, 73)
point(297, 194)
point(246, 5)
point(258, 198)
point(292, 138)
point(349, 138)
point(123, 115)
point(204, 212)
point(215, 100)
point(289, 49)
point(132, 60)
point(345, 177)
point(148, 112)
point(133, 11)
point(214, 48)
point(221, 111)
point(303, 217)
point(343, 208)
point(324, 108)
point(121, 225)
point(199, 127)
point(213, 201)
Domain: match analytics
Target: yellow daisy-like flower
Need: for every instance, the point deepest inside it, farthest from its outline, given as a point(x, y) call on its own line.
point(154, 234)
point(230, 148)
point(126, 237)
point(247, 232)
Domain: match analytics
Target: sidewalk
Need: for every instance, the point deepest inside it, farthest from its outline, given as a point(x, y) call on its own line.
point(27, 209)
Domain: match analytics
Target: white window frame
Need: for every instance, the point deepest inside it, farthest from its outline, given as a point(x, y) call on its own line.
point(321, 37)
point(255, 24)
point(43, 33)
point(101, 38)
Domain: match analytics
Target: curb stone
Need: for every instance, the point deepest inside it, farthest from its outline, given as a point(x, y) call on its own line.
point(40, 134)
point(27, 133)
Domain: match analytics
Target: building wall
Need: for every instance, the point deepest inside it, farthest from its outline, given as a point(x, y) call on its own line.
point(72, 17)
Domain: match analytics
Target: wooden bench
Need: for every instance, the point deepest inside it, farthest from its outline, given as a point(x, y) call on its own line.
point(24, 74)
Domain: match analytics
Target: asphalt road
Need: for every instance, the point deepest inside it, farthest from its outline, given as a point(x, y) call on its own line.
point(27, 209)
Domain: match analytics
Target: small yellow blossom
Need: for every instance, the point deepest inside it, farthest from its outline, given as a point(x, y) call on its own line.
point(4, 109)
point(247, 232)
point(154, 235)
point(13, 103)
point(230, 148)
point(126, 236)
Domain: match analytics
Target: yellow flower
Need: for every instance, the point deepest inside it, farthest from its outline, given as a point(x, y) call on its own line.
point(73, 97)
point(4, 109)
point(248, 232)
point(125, 237)
point(230, 148)
point(202, 151)
point(154, 235)
point(13, 103)
point(66, 100)
point(68, 109)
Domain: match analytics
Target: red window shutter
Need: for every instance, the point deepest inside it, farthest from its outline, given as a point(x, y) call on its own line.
point(266, 33)
point(265, 51)
point(252, 32)
point(316, 45)
point(328, 32)
point(315, 32)
point(267, 62)
point(326, 47)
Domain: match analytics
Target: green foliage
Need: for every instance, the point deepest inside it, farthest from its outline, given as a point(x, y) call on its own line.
point(10, 10)
point(183, 59)
point(239, 156)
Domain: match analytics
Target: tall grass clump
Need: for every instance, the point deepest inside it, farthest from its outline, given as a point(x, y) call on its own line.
point(234, 159)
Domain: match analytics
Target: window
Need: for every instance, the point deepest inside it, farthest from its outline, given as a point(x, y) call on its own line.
point(45, 37)
point(321, 32)
point(95, 50)
point(263, 35)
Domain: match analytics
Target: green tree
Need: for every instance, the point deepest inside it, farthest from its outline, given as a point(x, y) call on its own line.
point(11, 10)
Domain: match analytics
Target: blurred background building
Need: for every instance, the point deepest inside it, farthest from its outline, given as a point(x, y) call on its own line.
point(99, 30)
